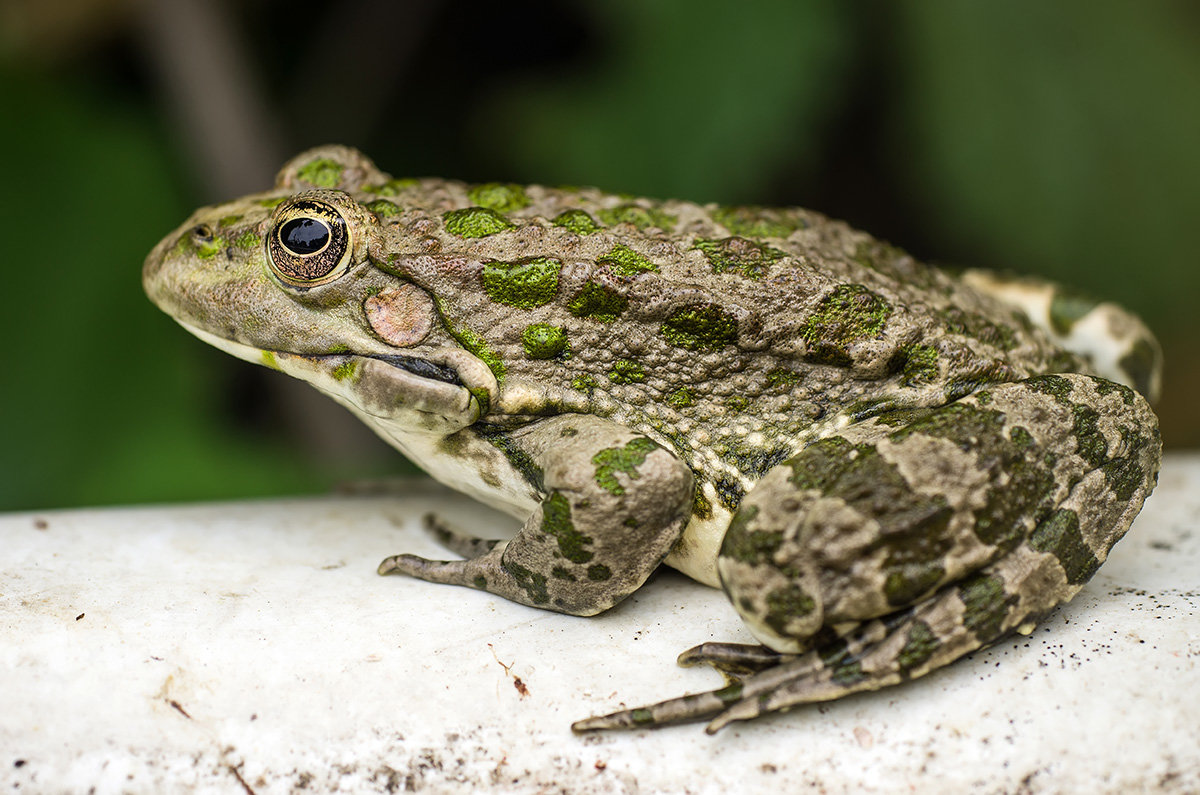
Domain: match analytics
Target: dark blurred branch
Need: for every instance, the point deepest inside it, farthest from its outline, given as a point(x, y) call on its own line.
point(214, 94)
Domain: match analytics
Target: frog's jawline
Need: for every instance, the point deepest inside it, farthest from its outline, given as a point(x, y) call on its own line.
point(420, 367)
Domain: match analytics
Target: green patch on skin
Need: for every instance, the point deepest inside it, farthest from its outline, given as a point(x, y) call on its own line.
point(983, 397)
point(345, 370)
point(567, 433)
point(560, 573)
point(1003, 520)
point(627, 459)
point(480, 582)
point(850, 312)
point(624, 261)
point(783, 378)
point(730, 694)
point(598, 302)
point(1021, 437)
point(785, 604)
point(682, 398)
point(747, 257)
point(393, 187)
point(700, 327)
point(758, 221)
point(961, 423)
point(556, 522)
point(383, 208)
point(598, 572)
point(995, 372)
point(498, 196)
point(985, 605)
point(268, 360)
point(908, 581)
point(641, 716)
point(1105, 387)
point(976, 326)
point(845, 668)
point(247, 239)
point(1067, 308)
point(584, 383)
point(631, 522)
point(1089, 442)
point(627, 372)
point(476, 346)
point(517, 458)
point(524, 283)
point(641, 217)
point(322, 172)
point(272, 203)
point(701, 507)
point(915, 525)
point(578, 221)
point(754, 547)
point(1140, 364)
point(532, 583)
point(1125, 475)
point(729, 491)
point(920, 365)
point(229, 220)
point(543, 341)
point(737, 403)
point(482, 398)
point(471, 222)
point(750, 460)
point(204, 249)
point(1055, 386)
point(1059, 536)
point(918, 647)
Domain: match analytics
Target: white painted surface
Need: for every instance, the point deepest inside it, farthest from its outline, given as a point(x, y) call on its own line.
point(168, 649)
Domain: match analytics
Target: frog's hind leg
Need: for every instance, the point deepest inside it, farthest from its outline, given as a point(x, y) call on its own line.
point(959, 619)
point(915, 537)
point(1112, 339)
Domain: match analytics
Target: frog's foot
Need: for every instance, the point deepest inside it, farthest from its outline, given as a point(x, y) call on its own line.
point(873, 655)
point(734, 660)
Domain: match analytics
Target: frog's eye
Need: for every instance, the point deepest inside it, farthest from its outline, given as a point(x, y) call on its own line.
point(309, 243)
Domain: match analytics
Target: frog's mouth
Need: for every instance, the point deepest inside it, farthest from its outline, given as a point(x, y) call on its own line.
point(417, 392)
point(422, 368)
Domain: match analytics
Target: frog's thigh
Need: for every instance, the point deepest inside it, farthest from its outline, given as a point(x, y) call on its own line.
point(878, 518)
point(615, 504)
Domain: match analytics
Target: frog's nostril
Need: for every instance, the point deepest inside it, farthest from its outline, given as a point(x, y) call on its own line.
point(202, 233)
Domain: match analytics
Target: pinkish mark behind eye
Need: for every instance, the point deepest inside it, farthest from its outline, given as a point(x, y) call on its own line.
point(402, 317)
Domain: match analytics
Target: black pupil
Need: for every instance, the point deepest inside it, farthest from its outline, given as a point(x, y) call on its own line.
point(304, 235)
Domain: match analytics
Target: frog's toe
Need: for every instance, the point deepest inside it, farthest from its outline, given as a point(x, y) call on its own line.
point(455, 540)
point(732, 659)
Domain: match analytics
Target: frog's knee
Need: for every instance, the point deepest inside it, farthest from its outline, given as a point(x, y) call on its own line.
point(765, 569)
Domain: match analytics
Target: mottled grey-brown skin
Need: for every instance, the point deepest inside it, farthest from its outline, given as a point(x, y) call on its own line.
point(885, 465)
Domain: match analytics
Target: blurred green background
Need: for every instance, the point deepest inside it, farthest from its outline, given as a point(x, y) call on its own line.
point(1061, 139)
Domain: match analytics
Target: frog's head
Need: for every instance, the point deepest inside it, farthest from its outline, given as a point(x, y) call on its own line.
point(287, 279)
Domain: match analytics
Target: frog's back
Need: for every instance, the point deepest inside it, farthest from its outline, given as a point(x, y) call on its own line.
point(734, 334)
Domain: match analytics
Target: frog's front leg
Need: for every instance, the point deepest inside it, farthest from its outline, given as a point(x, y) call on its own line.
point(913, 538)
point(615, 504)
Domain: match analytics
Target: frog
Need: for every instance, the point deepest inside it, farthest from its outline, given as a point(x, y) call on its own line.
point(886, 465)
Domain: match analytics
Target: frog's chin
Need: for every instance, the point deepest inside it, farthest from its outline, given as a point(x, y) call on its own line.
point(407, 393)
